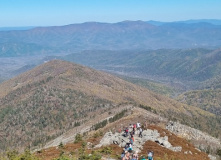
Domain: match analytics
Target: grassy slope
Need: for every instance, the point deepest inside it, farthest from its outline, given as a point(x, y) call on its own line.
point(47, 101)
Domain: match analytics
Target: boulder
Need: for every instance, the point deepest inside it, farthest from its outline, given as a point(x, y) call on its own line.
point(211, 157)
point(123, 144)
point(167, 144)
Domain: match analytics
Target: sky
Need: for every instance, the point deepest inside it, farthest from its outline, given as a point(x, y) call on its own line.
point(15, 13)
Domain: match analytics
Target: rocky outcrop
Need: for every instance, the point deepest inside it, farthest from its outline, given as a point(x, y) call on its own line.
point(148, 135)
point(204, 140)
point(211, 157)
point(200, 139)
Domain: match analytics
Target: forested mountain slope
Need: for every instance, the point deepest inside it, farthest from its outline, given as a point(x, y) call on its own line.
point(47, 101)
point(187, 66)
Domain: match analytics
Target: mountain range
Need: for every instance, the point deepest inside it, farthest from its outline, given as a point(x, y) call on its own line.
point(109, 36)
point(191, 21)
point(15, 28)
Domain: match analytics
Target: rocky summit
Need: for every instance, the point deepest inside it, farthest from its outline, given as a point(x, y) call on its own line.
point(147, 135)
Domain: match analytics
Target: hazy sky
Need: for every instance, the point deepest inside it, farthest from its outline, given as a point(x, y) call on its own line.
point(61, 12)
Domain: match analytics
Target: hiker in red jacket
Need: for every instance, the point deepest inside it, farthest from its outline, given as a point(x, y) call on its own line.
point(126, 132)
point(134, 127)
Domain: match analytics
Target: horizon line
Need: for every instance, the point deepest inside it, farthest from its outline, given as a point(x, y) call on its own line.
point(157, 21)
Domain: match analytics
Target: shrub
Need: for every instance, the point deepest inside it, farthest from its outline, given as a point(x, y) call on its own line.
point(92, 156)
point(61, 146)
point(78, 138)
point(100, 124)
point(26, 156)
point(117, 116)
point(12, 154)
point(98, 134)
point(62, 157)
point(76, 124)
point(218, 152)
point(106, 150)
point(148, 108)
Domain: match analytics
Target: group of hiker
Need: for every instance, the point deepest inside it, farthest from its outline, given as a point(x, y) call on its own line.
point(128, 153)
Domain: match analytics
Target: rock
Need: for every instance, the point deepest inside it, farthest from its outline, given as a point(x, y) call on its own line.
point(123, 144)
point(193, 134)
point(167, 144)
point(198, 149)
point(165, 138)
point(89, 145)
point(121, 140)
point(124, 139)
point(176, 149)
point(188, 152)
point(159, 141)
point(211, 157)
point(147, 132)
point(163, 141)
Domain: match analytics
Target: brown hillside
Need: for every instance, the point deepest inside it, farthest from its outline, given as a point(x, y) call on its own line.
point(65, 75)
point(51, 99)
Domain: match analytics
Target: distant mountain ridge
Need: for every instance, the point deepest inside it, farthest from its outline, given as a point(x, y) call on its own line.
point(15, 28)
point(192, 21)
point(111, 36)
point(153, 22)
point(211, 21)
point(184, 65)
